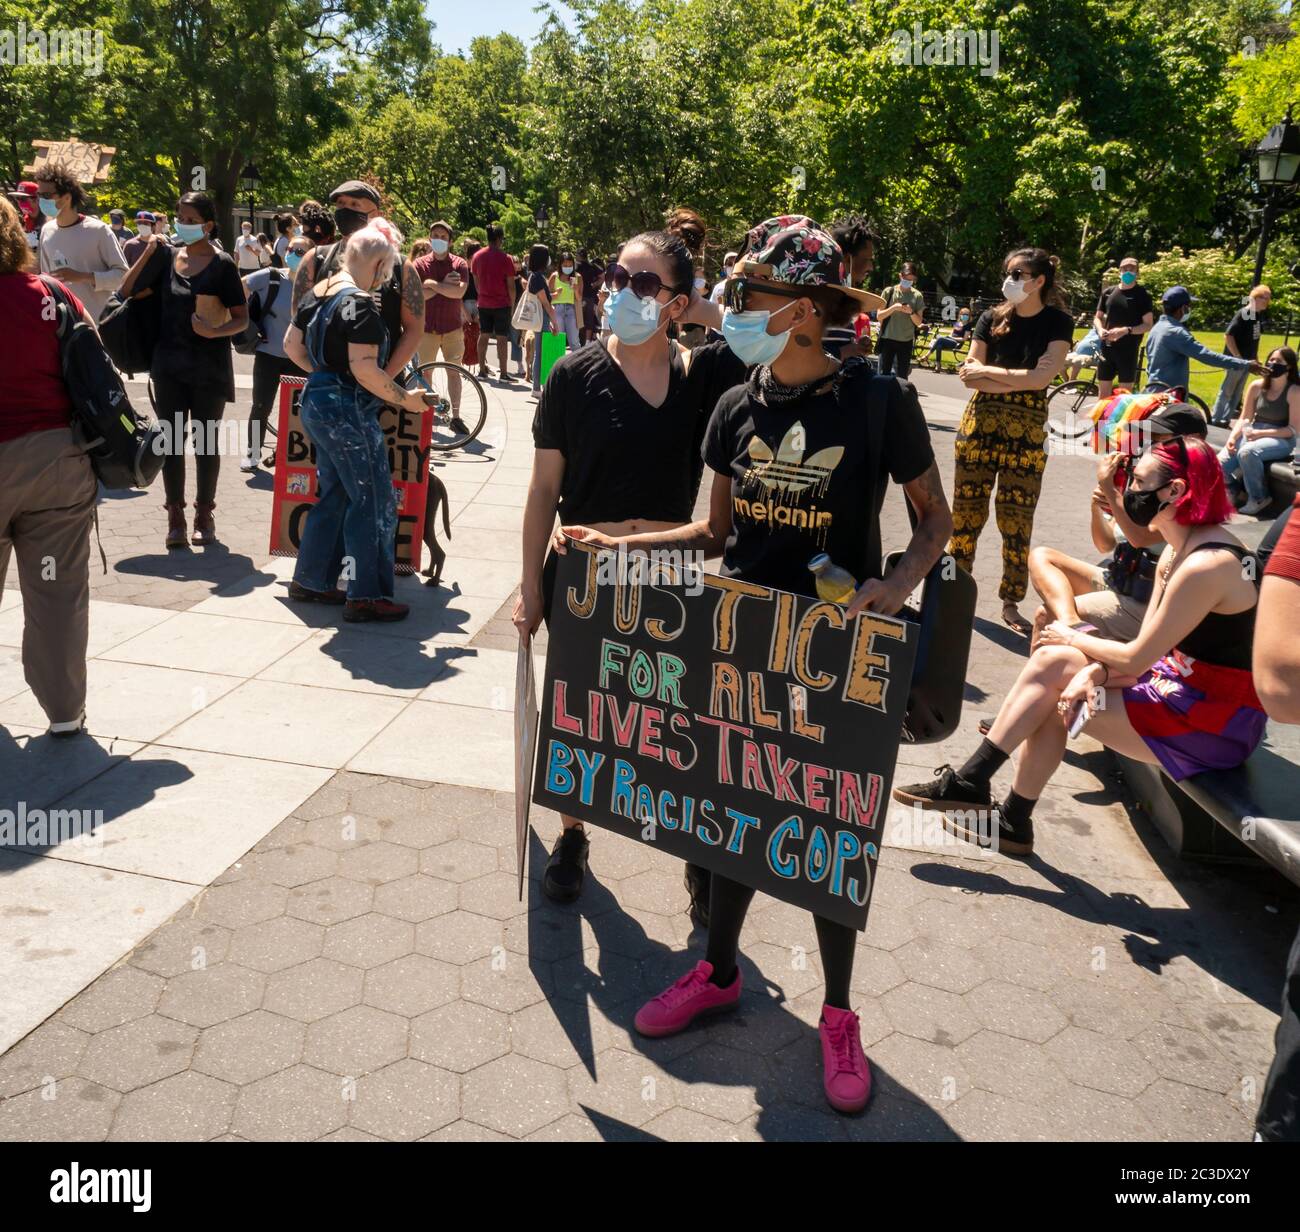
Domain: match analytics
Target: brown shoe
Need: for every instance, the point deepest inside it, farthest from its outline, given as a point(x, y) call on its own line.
point(375, 609)
point(303, 594)
point(177, 531)
point(205, 529)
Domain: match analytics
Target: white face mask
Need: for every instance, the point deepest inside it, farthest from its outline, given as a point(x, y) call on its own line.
point(1014, 289)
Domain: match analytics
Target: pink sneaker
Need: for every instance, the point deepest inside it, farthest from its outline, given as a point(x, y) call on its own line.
point(846, 1076)
point(677, 1007)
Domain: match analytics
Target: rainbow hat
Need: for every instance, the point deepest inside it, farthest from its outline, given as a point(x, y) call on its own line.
point(1114, 417)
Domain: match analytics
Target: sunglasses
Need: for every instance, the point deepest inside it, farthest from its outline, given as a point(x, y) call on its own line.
point(735, 292)
point(49, 196)
point(645, 284)
point(1017, 274)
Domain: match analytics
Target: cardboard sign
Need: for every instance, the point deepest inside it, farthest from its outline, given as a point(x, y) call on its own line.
point(86, 161)
point(745, 729)
point(525, 748)
point(407, 437)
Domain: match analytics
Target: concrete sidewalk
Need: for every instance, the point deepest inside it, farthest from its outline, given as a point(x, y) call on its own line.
point(302, 922)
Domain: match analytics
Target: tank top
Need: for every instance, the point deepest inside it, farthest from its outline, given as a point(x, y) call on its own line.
point(1273, 412)
point(1224, 640)
point(390, 294)
point(563, 291)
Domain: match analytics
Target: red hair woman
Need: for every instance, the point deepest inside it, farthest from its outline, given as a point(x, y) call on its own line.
point(1179, 695)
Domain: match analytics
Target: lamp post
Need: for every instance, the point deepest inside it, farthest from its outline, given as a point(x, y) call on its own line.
point(250, 178)
point(1278, 170)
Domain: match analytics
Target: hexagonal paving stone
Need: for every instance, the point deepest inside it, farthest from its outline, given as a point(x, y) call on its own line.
point(941, 964)
point(80, 1111)
point(376, 863)
point(918, 1070)
point(203, 998)
point(514, 1095)
point(656, 890)
point(1103, 1005)
point(182, 945)
point(626, 1087)
point(1088, 1115)
point(1182, 1113)
point(1023, 963)
point(416, 898)
point(418, 831)
point(1187, 1057)
point(355, 1041)
point(187, 1107)
point(51, 1052)
point(459, 1036)
point(507, 988)
point(138, 1053)
point(295, 1105)
point(342, 831)
point(687, 1125)
point(721, 1082)
point(458, 860)
point(875, 971)
point(496, 895)
point(561, 1033)
point(459, 937)
point(1015, 1010)
point(331, 901)
point(293, 866)
point(411, 985)
point(406, 1100)
point(248, 1048)
point(118, 996)
point(369, 940)
point(277, 944)
point(313, 990)
point(930, 1014)
point(387, 798)
point(1101, 1062)
point(1010, 1067)
point(242, 902)
point(983, 1116)
point(595, 974)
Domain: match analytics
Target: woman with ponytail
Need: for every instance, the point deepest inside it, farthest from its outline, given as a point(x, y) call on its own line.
point(1017, 348)
point(617, 438)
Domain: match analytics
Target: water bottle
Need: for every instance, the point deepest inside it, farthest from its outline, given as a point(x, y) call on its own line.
point(834, 584)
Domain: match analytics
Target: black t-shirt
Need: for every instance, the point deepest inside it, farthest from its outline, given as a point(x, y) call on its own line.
point(1023, 345)
point(537, 283)
point(591, 276)
point(801, 474)
point(330, 261)
point(1125, 306)
point(181, 354)
point(1246, 332)
point(364, 326)
point(624, 458)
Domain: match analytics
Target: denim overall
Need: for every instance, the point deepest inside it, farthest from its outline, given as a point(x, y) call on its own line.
point(354, 520)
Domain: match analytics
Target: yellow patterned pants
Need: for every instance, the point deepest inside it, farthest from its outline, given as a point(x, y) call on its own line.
point(999, 442)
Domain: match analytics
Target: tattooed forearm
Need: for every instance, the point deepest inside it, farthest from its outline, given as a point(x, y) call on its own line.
point(412, 290)
point(302, 281)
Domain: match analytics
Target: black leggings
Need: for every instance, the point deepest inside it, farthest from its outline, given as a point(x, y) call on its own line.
point(729, 902)
point(188, 407)
point(267, 371)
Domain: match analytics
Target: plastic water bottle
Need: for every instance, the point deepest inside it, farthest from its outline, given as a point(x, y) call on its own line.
point(834, 584)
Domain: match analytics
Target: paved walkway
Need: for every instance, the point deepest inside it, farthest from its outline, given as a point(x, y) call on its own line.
point(302, 922)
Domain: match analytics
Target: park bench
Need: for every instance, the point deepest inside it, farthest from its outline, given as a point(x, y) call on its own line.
point(1283, 484)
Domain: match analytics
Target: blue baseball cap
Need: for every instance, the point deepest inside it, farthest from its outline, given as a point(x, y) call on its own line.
point(1177, 297)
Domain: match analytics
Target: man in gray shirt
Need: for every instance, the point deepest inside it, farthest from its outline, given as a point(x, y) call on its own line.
point(75, 248)
point(899, 320)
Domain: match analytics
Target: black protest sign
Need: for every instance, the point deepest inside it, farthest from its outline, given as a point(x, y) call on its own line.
point(745, 729)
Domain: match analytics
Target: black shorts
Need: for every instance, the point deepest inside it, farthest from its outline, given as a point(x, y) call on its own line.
point(495, 322)
point(1119, 361)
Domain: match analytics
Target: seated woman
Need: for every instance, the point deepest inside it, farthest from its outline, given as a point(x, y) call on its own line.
point(954, 341)
point(1179, 695)
point(1084, 353)
point(1266, 431)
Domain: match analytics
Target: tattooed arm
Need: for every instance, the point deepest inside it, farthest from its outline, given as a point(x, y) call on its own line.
point(363, 359)
point(412, 321)
point(302, 281)
point(933, 530)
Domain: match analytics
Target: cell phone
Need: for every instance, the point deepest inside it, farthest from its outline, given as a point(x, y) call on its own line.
point(1078, 719)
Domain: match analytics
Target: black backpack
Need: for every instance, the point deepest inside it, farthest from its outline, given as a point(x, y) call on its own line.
point(129, 328)
point(125, 448)
point(254, 333)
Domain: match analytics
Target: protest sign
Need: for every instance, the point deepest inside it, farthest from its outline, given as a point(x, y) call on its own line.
point(525, 747)
point(407, 436)
point(742, 728)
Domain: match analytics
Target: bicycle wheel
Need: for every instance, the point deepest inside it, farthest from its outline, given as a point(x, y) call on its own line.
point(1067, 409)
point(458, 403)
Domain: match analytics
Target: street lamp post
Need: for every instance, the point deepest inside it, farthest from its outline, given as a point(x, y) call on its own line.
point(251, 178)
point(1278, 169)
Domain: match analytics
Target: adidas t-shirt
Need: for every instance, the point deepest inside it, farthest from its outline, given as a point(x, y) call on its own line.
point(800, 476)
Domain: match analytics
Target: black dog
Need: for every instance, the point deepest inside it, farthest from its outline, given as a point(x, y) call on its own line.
point(437, 555)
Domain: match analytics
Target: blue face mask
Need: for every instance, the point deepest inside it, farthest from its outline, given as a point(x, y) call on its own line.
point(1128, 278)
point(747, 336)
point(905, 283)
point(190, 232)
point(49, 208)
point(634, 320)
point(292, 260)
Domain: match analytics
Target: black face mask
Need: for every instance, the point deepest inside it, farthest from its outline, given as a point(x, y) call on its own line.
point(1277, 368)
point(1142, 507)
point(348, 220)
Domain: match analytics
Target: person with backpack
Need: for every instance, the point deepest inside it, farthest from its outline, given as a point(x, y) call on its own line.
point(201, 308)
point(268, 293)
point(810, 415)
point(339, 336)
point(47, 487)
point(899, 320)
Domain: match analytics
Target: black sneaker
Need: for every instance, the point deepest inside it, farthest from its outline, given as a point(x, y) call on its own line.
point(458, 426)
point(992, 829)
point(567, 868)
point(948, 791)
point(698, 882)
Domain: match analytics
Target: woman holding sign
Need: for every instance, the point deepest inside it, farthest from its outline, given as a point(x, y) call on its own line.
point(339, 336)
point(796, 432)
point(617, 435)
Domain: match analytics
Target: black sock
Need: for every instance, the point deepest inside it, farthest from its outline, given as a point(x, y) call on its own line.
point(984, 763)
point(1017, 811)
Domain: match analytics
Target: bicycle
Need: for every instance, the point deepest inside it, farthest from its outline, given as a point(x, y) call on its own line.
point(932, 360)
point(456, 420)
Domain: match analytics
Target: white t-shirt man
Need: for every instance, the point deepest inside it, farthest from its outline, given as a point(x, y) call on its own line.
point(248, 252)
point(87, 246)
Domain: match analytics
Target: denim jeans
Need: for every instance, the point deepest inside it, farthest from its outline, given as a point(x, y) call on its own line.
point(1252, 460)
point(1228, 404)
point(516, 347)
point(355, 515)
point(567, 314)
point(537, 353)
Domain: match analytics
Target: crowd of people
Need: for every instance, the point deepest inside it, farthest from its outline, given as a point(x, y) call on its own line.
point(1169, 652)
